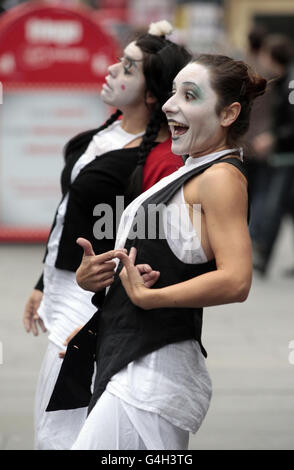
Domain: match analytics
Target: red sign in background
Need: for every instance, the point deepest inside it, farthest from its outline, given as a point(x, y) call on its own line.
point(48, 54)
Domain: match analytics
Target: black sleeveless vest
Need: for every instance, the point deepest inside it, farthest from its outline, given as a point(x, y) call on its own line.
point(121, 332)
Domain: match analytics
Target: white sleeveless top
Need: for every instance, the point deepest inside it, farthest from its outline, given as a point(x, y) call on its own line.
point(172, 381)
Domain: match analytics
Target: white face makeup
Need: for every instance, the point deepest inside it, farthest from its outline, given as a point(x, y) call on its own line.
point(125, 82)
point(190, 112)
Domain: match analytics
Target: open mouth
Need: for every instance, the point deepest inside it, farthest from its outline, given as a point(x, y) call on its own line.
point(177, 129)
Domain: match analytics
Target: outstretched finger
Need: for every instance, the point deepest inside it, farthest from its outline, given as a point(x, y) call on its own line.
point(34, 327)
point(27, 321)
point(130, 271)
point(126, 260)
point(86, 245)
point(42, 326)
point(108, 256)
point(133, 254)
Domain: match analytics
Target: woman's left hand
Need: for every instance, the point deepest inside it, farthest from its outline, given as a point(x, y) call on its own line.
point(137, 279)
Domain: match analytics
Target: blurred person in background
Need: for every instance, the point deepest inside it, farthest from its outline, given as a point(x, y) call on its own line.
point(276, 58)
point(121, 158)
point(256, 37)
point(260, 122)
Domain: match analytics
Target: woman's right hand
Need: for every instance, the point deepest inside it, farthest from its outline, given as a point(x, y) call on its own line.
point(31, 318)
point(96, 272)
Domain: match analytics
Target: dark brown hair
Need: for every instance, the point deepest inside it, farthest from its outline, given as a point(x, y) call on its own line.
point(233, 80)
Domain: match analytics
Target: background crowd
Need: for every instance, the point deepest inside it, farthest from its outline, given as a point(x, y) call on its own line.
point(271, 144)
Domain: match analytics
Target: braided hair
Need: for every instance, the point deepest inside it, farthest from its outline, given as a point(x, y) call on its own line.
point(134, 187)
point(111, 119)
point(162, 60)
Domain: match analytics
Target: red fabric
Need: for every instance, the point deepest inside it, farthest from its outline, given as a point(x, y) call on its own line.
point(159, 163)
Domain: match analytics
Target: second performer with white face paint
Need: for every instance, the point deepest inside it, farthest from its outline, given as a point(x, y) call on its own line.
point(125, 84)
point(121, 158)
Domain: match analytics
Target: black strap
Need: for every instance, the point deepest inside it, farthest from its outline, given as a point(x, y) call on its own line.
point(242, 168)
point(237, 163)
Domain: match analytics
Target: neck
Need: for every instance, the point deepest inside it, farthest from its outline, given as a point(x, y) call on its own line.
point(211, 149)
point(135, 120)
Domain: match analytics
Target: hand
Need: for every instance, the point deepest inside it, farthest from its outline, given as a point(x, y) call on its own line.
point(68, 339)
point(96, 272)
point(31, 318)
point(133, 280)
point(149, 276)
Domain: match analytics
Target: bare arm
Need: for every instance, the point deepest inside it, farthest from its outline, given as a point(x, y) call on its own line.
point(224, 202)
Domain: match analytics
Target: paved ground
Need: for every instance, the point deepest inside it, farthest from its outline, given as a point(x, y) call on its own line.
point(248, 345)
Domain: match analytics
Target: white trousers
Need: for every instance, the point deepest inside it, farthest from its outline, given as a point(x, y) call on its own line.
point(54, 430)
point(115, 425)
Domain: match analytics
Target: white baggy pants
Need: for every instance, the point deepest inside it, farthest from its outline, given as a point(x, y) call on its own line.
point(115, 425)
point(54, 430)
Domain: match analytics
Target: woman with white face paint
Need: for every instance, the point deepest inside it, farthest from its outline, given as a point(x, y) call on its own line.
point(152, 387)
point(122, 158)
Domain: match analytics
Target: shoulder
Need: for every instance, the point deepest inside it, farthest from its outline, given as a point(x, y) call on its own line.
point(223, 185)
point(222, 174)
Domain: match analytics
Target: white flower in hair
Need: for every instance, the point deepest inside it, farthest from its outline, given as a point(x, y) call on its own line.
point(160, 28)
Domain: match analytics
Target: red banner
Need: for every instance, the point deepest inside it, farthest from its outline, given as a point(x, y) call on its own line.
point(53, 60)
point(53, 44)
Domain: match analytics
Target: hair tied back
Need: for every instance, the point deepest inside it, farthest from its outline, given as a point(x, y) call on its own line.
point(160, 28)
point(243, 88)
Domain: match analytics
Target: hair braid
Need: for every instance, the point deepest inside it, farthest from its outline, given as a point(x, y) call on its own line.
point(152, 130)
point(134, 187)
point(111, 119)
point(162, 60)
